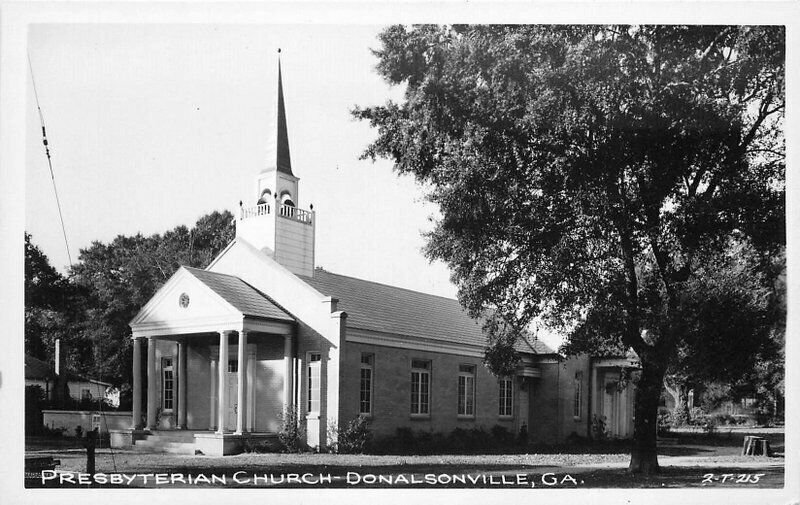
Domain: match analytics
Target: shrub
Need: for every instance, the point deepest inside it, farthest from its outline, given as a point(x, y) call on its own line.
point(53, 432)
point(722, 419)
point(599, 431)
point(696, 416)
point(458, 441)
point(34, 402)
point(665, 420)
point(79, 431)
point(259, 446)
point(292, 433)
point(709, 425)
point(501, 435)
point(354, 437)
point(679, 417)
point(522, 436)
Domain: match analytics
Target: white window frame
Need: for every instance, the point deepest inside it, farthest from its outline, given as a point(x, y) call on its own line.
point(367, 367)
point(506, 398)
point(466, 391)
point(421, 368)
point(313, 369)
point(577, 405)
point(86, 393)
point(167, 368)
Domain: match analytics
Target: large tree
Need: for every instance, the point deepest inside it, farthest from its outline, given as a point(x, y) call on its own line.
point(586, 175)
point(47, 298)
point(118, 278)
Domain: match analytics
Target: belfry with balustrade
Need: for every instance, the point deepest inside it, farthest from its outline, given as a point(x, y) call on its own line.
point(274, 223)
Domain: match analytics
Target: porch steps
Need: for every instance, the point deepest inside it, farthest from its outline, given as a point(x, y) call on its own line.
point(171, 442)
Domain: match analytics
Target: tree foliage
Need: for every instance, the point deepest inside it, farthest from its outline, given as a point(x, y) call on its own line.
point(46, 297)
point(121, 276)
point(90, 310)
point(589, 175)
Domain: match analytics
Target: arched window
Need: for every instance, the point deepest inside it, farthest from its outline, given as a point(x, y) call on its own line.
point(286, 199)
point(264, 196)
point(287, 204)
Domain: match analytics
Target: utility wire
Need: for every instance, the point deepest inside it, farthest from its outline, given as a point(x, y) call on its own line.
point(63, 228)
point(49, 161)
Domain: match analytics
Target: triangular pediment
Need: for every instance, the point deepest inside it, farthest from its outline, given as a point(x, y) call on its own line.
point(183, 305)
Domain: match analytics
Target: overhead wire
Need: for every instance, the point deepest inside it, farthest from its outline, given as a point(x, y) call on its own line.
point(49, 161)
point(61, 218)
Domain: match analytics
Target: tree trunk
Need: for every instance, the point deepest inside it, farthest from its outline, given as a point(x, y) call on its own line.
point(644, 458)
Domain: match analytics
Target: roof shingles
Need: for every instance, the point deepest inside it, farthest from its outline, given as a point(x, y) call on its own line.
point(244, 297)
point(378, 307)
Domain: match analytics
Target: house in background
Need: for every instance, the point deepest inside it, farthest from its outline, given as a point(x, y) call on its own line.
point(262, 331)
point(60, 384)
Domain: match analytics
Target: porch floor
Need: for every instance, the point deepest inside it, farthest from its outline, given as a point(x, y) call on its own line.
point(197, 442)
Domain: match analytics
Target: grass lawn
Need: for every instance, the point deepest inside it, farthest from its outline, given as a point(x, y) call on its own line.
point(695, 460)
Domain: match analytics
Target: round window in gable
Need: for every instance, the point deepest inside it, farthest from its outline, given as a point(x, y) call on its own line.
point(183, 300)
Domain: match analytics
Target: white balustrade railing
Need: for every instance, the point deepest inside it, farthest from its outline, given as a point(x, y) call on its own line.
point(292, 212)
point(288, 211)
point(258, 210)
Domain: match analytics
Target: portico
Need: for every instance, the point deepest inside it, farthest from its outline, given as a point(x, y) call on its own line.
point(220, 358)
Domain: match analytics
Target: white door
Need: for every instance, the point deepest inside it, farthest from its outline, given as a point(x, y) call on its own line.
point(611, 405)
point(232, 385)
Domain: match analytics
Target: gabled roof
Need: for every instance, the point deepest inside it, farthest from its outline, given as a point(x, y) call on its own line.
point(244, 297)
point(389, 309)
point(530, 344)
point(37, 369)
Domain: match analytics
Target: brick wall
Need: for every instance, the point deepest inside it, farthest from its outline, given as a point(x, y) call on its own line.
point(392, 391)
point(551, 416)
point(309, 340)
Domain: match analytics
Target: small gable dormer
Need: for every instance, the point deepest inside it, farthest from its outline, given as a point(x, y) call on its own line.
point(274, 222)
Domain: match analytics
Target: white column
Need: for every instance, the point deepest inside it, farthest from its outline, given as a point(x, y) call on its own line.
point(181, 385)
point(288, 374)
point(251, 404)
point(212, 393)
point(222, 400)
point(137, 384)
point(241, 377)
point(152, 394)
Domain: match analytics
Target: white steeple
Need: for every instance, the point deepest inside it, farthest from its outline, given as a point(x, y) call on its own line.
point(275, 224)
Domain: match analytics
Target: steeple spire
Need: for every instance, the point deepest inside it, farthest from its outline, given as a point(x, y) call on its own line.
point(278, 147)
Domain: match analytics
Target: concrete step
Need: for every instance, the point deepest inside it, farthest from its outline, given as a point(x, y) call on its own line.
point(172, 436)
point(167, 447)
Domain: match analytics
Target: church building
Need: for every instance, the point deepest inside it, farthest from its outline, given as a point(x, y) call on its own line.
point(262, 331)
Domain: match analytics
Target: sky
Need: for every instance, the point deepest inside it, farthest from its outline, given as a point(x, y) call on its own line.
point(154, 126)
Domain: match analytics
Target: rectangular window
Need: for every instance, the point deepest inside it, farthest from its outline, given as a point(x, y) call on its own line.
point(506, 397)
point(314, 362)
point(86, 394)
point(167, 384)
point(365, 402)
point(466, 390)
point(577, 408)
point(420, 387)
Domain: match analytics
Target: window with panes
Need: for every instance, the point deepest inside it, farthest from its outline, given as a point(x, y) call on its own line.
point(365, 388)
point(314, 371)
point(506, 397)
point(167, 384)
point(466, 390)
point(577, 406)
point(420, 387)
